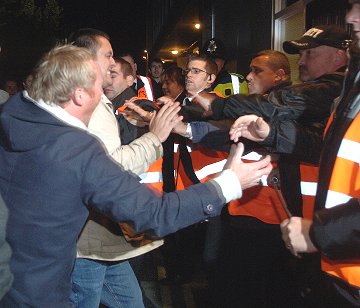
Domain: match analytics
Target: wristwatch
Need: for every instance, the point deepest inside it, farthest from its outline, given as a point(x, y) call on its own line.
point(188, 132)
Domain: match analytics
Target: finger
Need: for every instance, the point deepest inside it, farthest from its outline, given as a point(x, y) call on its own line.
point(153, 117)
point(284, 223)
point(236, 152)
point(235, 134)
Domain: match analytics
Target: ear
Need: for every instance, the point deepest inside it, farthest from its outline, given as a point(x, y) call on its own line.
point(78, 97)
point(135, 66)
point(212, 78)
point(341, 57)
point(279, 74)
point(130, 80)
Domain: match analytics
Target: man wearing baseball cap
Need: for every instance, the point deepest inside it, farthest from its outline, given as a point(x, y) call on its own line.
point(321, 50)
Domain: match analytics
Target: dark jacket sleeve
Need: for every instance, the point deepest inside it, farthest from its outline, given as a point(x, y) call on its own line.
point(302, 102)
point(290, 137)
point(211, 136)
point(336, 231)
point(119, 195)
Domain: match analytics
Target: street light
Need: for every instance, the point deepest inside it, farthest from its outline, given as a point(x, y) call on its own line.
point(197, 26)
point(146, 58)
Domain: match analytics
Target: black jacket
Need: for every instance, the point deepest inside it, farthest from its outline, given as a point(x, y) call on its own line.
point(290, 110)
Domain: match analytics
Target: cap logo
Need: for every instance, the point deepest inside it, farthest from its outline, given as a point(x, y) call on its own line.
point(212, 46)
point(313, 32)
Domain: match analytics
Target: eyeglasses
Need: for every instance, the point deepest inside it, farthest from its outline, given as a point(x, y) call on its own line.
point(195, 71)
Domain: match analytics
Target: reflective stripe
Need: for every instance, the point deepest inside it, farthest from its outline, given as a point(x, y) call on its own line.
point(210, 169)
point(147, 87)
point(235, 83)
point(252, 156)
point(349, 150)
point(151, 177)
point(308, 188)
point(335, 198)
point(176, 147)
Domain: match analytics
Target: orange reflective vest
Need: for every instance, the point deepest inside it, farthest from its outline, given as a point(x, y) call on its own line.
point(206, 163)
point(309, 177)
point(260, 202)
point(146, 91)
point(344, 185)
point(153, 176)
point(263, 203)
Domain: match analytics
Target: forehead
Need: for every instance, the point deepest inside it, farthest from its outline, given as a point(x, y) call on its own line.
point(104, 44)
point(323, 50)
point(116, 68)
point(196, 63)
point(260, 61)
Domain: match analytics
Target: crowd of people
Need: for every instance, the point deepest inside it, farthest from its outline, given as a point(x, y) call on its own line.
point(257, 176)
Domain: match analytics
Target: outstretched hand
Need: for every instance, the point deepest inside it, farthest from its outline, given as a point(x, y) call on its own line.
point(165, 120)
point(204, 99)
point(135, 114)
point(249, 174)
point(250, 127)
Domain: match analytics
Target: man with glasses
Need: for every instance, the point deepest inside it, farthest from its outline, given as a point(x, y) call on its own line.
point(191, 166)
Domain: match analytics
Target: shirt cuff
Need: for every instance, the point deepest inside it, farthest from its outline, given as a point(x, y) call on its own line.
point(230, 185)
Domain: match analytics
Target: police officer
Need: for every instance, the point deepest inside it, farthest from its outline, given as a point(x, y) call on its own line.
point(225, 83)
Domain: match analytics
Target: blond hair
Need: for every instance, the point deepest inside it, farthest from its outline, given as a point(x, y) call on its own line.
point(60, 72)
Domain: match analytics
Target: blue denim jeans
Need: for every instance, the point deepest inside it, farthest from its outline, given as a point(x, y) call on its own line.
point(113, 284)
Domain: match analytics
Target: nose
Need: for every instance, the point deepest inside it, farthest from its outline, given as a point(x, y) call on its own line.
point(112, 61)
point(249, 77)
point(301, 60)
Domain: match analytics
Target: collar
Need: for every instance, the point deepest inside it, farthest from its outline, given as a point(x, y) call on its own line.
point(57, 112)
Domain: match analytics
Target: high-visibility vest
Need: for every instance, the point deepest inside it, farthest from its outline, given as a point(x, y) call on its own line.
point(263, 203)
point(309, 177)
point(344, 185)
point(146, 91)
point(206, 164)
point(153, 176)
point(258, 201)
point(236, 85)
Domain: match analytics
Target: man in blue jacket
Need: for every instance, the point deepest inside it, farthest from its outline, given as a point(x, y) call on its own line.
point(53, 170)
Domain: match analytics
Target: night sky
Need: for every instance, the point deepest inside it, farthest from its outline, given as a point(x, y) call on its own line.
point(124, 21)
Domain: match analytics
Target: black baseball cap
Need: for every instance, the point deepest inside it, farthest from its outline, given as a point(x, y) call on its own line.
point(332, 36)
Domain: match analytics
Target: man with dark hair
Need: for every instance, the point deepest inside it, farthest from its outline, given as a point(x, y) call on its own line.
point(247, 248)
point(268, 68)
point(98, 247)
point(156, 68)
point(173, 82)
point(144, 86)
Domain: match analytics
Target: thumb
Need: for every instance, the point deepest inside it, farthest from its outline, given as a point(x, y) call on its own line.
point(237, 151)
point(259, 122)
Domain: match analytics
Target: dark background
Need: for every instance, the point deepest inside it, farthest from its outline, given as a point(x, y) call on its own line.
point(26, 32)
